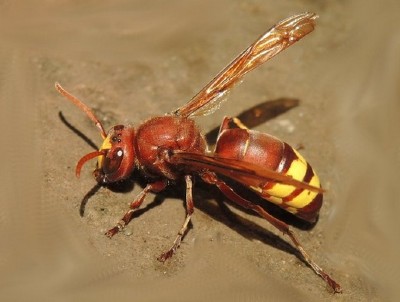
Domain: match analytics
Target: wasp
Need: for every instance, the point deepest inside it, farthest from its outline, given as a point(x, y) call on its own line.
point(171, 147)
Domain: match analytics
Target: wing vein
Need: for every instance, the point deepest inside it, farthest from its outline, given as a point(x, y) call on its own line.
point(278, 38)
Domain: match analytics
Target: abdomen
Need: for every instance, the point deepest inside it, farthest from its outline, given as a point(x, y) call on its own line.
point(269, 152)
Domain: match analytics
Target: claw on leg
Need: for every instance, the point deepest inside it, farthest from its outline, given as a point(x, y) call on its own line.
point(154, 187)
point(211, 178)
point(189, 211)
point(119, 227)
point(177, 242)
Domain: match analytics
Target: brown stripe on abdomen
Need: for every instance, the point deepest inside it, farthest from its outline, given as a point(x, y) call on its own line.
point(300, 202)
point(307, 178)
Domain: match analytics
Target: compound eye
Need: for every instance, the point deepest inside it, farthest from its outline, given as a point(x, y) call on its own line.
point(113, 160)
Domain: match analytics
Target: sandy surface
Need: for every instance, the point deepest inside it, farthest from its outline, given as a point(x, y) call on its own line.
point(130, 60)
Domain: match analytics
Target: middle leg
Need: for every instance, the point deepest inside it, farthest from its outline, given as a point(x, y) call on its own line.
point(189, 211)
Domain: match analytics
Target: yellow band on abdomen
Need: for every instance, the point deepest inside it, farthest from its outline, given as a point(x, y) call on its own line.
point(280, 193)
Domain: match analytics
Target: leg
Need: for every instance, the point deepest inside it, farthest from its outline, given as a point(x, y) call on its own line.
point(189, 211)
point(154, 187)
point(280, 225)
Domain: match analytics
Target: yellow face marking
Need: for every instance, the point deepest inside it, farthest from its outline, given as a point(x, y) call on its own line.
point(106, 145)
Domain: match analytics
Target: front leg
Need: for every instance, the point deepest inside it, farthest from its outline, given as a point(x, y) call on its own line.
point(154, 187)
point(189, 211)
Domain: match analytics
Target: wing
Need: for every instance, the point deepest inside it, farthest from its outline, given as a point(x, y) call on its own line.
point(278, 38)
point(245, 173)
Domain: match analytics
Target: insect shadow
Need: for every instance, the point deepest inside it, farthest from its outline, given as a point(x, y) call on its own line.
point(251, 117)
point(259, 114)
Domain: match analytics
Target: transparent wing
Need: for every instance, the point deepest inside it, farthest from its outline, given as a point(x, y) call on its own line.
point(278, 38)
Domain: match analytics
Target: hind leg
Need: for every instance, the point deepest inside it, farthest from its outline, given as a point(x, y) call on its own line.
point(211, 178)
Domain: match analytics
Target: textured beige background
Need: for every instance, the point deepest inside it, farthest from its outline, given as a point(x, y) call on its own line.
point(133, 59)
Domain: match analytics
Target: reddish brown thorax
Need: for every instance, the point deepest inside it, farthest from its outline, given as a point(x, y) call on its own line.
point(158, 137)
